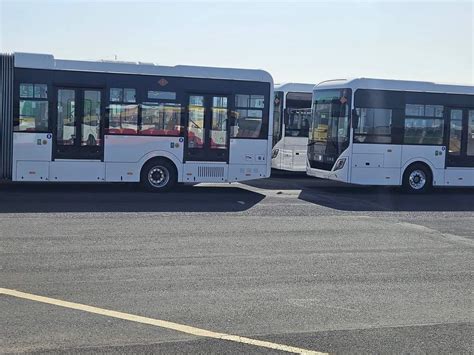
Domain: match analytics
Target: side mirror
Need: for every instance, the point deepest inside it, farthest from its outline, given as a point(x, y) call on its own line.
point(355, 119)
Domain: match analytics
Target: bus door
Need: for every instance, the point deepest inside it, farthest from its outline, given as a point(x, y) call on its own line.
point(460, 133)
point(207, 128)
point(78, 124)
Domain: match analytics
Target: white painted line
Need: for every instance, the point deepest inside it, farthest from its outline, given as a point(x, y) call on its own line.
point(157, 322)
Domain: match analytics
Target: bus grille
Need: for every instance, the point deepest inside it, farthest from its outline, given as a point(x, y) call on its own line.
point(6, 115)
point(211, 171)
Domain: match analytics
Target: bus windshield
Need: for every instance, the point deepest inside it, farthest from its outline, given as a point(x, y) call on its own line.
point(329, 132)
point(330, 119)
point(298, 122)
point(297, 114)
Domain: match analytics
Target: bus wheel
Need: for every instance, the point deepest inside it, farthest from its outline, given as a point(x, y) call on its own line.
point(158, 175)
point(417, 179)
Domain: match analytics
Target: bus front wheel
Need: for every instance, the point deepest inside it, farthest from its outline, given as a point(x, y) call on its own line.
point(417, 179)
point(158, 175)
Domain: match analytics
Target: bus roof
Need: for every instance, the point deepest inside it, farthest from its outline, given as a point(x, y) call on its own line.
point(47, 61)
point(294, 87)
point(398, 85)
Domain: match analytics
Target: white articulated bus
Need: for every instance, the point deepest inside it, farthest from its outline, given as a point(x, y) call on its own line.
point(291, 117)
point(80, 121)
point(390, 132)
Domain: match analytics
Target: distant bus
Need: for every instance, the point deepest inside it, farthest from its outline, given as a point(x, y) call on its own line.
point(291, 117)
point(81, 121)
point(390, 132)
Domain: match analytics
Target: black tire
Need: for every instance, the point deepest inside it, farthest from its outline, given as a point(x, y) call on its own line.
point(417, 179)
point(158, 175)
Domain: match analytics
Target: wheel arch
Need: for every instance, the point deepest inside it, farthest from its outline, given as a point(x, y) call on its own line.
point(155, 155)
point(416, 161)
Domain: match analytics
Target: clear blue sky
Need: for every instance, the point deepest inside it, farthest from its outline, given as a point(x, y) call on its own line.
point(295, 41)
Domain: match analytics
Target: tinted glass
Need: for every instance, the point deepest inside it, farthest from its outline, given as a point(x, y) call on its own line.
point(33, 116)
point(129, 95)
point(219, 123)
point(116, 95)
point(66, 134)
point(26, 90)
point(298, 123)
point(41, 91)
point(161, 119)
point(374, 126)
point(470, 133)
point(196, 122)
point(161, 95)
point(247, 123)
point(123, 119)
point(91, 119)
point(455, 132)
point(427, 131)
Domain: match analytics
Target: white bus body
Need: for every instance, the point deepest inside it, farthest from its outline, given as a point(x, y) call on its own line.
point(291, 116)
point(416, 134)
point(80, 121)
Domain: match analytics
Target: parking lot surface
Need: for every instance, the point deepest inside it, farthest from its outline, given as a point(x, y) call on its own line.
point(291, 261)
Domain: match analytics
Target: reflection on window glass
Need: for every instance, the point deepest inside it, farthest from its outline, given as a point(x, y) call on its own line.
point(66, 130)
point(41, 91)
point(161, 119)
point(196, 100)
point(374, 126)
point(161, 95)
point(26, 90)
point(298, 122)
point(90, 126)
point(242, 100)
point(424, 131)
point(219, 123)
point(123, 119)
point(414, 110)
point(257, 101)
point(277, 106)
point(196, 113)
point(33, 116)
point(129, 95)
point(219, 101)
point(248, 124)
point(253, 101)
point(455, 132)
point(33, 111)
point(470, 134)
point(116, 95)
point(434, 111)
point(248, 117)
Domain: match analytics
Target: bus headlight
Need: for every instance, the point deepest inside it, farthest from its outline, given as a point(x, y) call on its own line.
point(275, 153)
point(340, 164)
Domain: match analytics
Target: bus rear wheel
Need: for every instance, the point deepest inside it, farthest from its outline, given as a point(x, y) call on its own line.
point(417, 179)
point(158, 176)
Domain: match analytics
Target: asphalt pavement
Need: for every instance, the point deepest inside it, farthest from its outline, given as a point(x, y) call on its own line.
point(289, 261)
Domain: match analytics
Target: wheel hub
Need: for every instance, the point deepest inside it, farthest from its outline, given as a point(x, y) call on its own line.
point(417, 179)
point(158, 176)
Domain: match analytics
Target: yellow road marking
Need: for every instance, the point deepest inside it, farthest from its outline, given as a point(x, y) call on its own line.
point(157, 322)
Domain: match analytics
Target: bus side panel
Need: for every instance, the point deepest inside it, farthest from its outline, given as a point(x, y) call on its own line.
point(31, 156)
point(125, 155)
point(376, 164)
point(6, 116)
point(248, 159)
point(433, 156)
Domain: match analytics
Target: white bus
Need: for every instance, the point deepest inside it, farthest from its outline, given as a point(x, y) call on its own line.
point(81, 121)
point(390, 132)
point(291, 117)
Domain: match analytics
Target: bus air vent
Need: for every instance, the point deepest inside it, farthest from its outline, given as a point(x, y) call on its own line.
point(211, 171)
